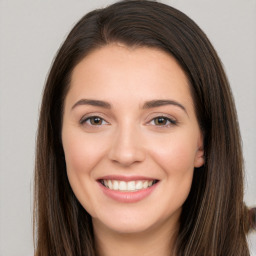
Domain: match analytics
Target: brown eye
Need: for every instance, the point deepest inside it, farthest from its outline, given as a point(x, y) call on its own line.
point(160, 121)
point(94, 120)
point(163, 121)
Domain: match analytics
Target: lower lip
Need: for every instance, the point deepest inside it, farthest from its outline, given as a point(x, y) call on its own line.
point(128, 197)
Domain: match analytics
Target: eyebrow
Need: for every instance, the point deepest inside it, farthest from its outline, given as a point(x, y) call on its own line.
point(97, 103)
point(159, 103)
point(146, 105)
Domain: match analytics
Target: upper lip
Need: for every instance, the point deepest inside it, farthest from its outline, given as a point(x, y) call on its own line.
point(125, 178)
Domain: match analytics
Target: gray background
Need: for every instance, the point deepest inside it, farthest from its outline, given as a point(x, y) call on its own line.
point(30, 34)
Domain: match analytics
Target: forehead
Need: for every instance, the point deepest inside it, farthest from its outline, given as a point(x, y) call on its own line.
point(116, 71)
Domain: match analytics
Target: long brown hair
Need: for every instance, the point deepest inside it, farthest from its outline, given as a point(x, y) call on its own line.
point(213, 220)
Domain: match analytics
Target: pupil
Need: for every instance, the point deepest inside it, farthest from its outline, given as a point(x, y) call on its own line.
point(161, 120)
point(96, 120)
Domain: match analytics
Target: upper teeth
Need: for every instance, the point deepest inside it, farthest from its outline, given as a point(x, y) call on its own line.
point(127, 186)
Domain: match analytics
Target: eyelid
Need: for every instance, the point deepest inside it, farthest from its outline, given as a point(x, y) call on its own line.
point(173, 121)
point(92, 115)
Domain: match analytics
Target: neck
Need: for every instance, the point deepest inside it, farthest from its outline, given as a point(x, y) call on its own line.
point(156, 241)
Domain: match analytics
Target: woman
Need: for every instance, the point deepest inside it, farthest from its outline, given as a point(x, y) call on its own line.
point(138, 149)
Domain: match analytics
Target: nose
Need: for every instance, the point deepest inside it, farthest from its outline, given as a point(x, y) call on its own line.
point(127, 147)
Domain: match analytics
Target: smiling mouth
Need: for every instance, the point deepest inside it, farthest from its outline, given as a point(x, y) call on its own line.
point(129, 186)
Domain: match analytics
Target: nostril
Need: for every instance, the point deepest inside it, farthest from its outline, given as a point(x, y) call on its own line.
point(127, 147)
point(126, 156)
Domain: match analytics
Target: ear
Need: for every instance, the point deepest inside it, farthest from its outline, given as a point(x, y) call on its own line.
point(199, 157)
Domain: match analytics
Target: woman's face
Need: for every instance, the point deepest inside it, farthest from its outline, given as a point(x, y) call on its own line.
point(131, 138)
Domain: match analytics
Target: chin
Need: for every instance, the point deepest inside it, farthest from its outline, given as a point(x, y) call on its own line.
point(129, 222)
point(125, 226)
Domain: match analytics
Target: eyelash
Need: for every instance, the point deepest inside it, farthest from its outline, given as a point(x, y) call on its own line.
point(90, 119)
point(167, 121)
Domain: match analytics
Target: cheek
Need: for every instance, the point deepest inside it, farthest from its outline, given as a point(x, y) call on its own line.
point(81, 159)
point(81, 152)
point(78, 158)
point(175, 155)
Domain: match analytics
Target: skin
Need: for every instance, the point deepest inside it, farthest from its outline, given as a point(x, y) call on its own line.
point(129, 140)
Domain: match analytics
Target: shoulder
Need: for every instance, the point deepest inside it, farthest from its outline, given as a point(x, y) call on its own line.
point(252, 243)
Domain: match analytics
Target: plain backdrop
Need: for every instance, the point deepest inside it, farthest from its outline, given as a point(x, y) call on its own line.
point(30, 34)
